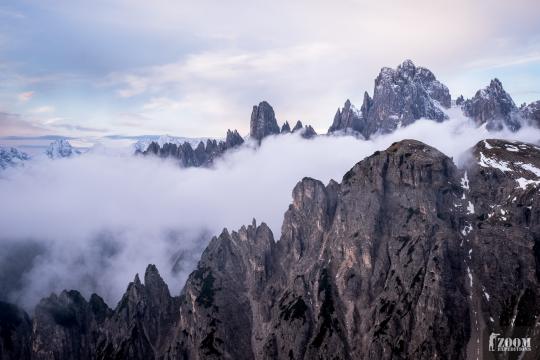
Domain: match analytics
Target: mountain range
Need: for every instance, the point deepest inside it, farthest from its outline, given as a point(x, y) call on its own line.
point(408, 256)
point(401, 96)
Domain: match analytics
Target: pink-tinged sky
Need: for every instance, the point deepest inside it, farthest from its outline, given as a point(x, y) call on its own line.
point(195, 68)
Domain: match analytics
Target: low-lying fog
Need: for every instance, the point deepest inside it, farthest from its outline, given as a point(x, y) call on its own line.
point(91, 222)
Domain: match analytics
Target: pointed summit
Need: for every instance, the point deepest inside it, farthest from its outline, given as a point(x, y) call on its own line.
point(285, 128)
point(400, 97)
point(263, 121)
point(298, 126)
point(493, 107)
point(347, 119)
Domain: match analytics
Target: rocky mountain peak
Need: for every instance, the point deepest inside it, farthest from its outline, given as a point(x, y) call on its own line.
point(307, 132)
point(348, 119)
point(157, 288)
point(404, 95)
point(407, 69)
point(263, 121)
point(494, 107)
point(285, 128)
point(233, 139)
point(298, 126)
point(400, 97)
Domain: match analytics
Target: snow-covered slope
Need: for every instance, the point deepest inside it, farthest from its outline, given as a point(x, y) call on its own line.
point(10, 157)
point(61, 149)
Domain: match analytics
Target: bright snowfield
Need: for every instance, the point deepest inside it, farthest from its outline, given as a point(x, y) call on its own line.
point(92, 221)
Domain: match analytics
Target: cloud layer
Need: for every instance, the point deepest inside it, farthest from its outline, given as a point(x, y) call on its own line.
point(92, 222)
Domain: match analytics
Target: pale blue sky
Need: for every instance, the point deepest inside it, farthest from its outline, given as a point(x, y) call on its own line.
point(195, 68)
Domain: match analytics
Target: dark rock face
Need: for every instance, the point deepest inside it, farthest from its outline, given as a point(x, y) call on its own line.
point(408, 257)
point(494, 107)
point(202, 155)
point(15, 330)
point(143, 322)
point(285, 128)
point(504, 239)
point(401, 96)
point(309, 132)
point(263, 122)
point(67, 326)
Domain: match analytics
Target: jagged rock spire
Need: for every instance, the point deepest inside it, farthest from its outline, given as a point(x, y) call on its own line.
point(494, 107)
point(285, 128)
point(400, 97)
point(263, 121)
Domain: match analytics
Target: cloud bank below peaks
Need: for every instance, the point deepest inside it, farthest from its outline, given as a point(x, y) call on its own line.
point(91, 222)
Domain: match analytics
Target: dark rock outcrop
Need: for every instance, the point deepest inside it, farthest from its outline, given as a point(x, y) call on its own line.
point(348, 119)
point(67, 326)
point(143, 322)
point(15, 330)
point(263, 122)
point(493, 107)
point(408, 257)
point(400, 97)
point(307, 132)
point(285, 128)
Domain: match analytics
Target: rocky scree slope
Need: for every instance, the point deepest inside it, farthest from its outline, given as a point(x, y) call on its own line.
point(408, 257)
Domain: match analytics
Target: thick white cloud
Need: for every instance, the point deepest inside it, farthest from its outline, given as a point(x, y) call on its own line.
point(93, 221)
